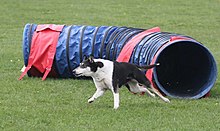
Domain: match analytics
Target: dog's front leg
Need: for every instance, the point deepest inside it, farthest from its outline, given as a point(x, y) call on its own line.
point(115, 93)
point(116, 100)
point(98, 93)
point(100, 90)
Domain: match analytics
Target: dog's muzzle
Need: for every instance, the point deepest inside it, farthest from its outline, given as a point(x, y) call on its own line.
point(75, 74)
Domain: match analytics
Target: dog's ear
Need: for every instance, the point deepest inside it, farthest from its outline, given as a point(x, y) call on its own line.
point(99, 64)
point(85, 57)
point(91, 55)
point(91, 59)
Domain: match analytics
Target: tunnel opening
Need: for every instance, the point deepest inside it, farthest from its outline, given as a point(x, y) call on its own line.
point(187, 70)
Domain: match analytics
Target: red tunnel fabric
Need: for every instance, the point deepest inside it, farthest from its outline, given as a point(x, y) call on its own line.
point(127, 50)
point(43, 48)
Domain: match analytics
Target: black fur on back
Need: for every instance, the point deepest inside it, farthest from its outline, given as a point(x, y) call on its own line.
point(124, 72)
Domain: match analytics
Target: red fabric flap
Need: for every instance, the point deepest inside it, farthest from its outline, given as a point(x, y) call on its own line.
point(50, 26)
point(43, 48)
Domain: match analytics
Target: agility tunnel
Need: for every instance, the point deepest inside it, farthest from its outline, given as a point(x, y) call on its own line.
point(187, 68)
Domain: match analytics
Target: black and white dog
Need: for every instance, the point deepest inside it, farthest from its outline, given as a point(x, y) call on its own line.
point(108, 75)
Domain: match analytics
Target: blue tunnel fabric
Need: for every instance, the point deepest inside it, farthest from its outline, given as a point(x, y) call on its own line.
point(179, 59)
point(27, 37)
point(188, 69)
point(76, 41)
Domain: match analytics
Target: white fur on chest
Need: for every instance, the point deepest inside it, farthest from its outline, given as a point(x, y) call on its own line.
point(105, 72)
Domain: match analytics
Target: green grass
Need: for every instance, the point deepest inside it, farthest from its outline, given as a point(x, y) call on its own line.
point(61, 104)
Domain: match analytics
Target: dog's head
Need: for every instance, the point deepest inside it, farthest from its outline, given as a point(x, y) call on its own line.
point(88, 67)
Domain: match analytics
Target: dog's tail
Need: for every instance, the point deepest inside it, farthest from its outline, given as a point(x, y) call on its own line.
point(148, 66)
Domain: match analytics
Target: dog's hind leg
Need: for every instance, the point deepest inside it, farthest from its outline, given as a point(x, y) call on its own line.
point(159, 94)
point(128, 87)
point(135, 87)
point(150, 93)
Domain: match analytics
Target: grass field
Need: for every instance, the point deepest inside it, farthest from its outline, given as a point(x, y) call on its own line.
point(61, 104)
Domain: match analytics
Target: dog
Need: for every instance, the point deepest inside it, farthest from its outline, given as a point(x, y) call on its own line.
point(109, 75)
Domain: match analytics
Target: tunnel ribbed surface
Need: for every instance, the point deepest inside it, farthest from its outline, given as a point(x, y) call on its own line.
point(187, 68)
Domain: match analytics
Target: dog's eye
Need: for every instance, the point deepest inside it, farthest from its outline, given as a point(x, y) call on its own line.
point(82, 65)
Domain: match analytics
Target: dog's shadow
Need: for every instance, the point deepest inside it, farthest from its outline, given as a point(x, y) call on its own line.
point(125, 104)
point(99, 106)
point(144, 104)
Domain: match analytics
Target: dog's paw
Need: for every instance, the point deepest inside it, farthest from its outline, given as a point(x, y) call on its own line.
point(166, 100)
point(90, 100)
point(116, 107)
